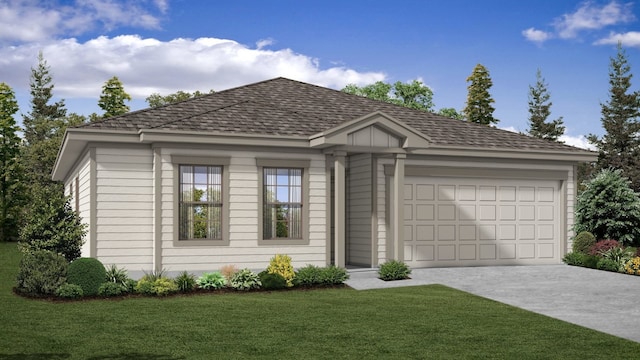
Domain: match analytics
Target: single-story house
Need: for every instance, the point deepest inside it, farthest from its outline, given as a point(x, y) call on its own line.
point(282, 166)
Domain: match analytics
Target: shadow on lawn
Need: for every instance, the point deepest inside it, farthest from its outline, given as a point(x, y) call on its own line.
point(131, 356)
point(34, 356)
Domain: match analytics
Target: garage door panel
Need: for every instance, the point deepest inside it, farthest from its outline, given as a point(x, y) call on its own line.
point(465, 221)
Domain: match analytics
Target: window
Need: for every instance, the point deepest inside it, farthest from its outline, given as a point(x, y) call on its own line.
point(200, 202)
point(282, 203)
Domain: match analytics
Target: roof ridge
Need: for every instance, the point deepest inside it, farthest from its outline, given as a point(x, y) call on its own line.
point(198, 114)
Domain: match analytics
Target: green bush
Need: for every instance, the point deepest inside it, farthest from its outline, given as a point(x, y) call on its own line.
point(211, 280)
point(158, 286)
point(574, 258)
point(591, 261)
point(583, 242)
point(245, 279)
point(41, 272)
point(129, 286)
point(89, 273)
point(394, 270)
point(333, 275)
point(609, 208)
point(109, 289)
point(116, 275)
point(272, 281)
point(618, 254)
point(51, 224)
point(186, 282)
point(308, 276)
point(69, 291)
point(608, 265)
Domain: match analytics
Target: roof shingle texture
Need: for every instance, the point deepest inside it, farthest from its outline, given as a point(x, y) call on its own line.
point(290, 108)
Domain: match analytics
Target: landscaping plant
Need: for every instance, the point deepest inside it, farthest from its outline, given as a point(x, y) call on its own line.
point(156, 283)
point(244, 280)
point(88, 273)
point(583, 242)
point(333, 275)
point(308, 276)
point(394, 270)
point(633, 266)
point(228, 271)
point(109, 289)
point(281, 264)
point(602, 246)
point(41, 272)
point(116, 275)
point(69, 291)
point(186, 282)
point(211, 281)
point(272, 281)
point(609, 208)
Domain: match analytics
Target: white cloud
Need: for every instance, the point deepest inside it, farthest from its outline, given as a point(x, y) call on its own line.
point(536, 36)
point(32, 20)
point(150, 65)
point(262, 43)
point(631, 38)
point(590, 16)
point(577, 141)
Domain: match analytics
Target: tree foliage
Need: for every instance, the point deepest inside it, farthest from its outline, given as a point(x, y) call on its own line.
point(414, 94)
point(451, 113)
point(609, 208)
point(11, 173)
point(540, 110)
point(479, 109)
point(155, 99)
point(51, 224)
point(619, 147)
point(113, 97)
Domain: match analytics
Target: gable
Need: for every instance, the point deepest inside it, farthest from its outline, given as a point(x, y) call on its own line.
point(375, 130)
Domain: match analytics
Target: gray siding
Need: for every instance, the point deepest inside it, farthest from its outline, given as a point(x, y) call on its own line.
point(359, 210)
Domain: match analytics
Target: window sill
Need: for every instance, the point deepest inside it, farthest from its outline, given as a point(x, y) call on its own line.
point(200, 242)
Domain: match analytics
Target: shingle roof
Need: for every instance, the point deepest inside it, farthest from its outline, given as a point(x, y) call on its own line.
point(290, 108)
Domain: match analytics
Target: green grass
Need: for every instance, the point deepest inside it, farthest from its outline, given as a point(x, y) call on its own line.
point(433, 322)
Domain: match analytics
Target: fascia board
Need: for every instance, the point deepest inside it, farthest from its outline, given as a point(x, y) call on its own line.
point(581, 156)
point(154, 136)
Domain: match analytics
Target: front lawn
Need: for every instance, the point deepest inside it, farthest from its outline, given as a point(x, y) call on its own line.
point(417, 322)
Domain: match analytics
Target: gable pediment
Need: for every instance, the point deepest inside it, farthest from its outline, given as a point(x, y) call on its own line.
point(376, 130)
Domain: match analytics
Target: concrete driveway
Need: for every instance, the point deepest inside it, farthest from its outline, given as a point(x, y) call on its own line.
point(599, 300)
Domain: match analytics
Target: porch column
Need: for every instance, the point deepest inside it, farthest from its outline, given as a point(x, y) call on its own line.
point(397, 217)
point(339, 210)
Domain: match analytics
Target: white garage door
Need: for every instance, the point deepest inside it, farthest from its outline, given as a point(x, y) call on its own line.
point(462, 222)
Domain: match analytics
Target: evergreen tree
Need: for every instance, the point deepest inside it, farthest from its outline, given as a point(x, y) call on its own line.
point(479, 100)
point(42, 121)
point(539, 111)
point(451, 113)
point(619, 147)
point(11, 174)
point(113, 97)
point(414, 95)
point(155, 99)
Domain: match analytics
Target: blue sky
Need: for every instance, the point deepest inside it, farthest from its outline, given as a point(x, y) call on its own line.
point(164, 46)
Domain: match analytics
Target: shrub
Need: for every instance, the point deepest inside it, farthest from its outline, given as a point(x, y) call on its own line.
point(603, 245)
point(333, 275)
point(211, 280)
point(69, 291)
point(41, 272)
point(116, 275)
point(245, 279)
point(109, 289)
point(575, 258)
point(272, 281)
point(608, 265)
point(308, 276)
point(186, 282)
point(633, 266)
point(150, 284)
point(51, 224)
point(609, 208)
point(394, 270)
point(619, 255)
point(228, 271)
point(89, 273)
point(281, 264)
point(591, 261)
point(583, 242)
point(129, 286)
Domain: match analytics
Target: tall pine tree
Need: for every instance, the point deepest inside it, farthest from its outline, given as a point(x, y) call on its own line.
point(479, 109)
point(113, 97)
point(539, 111)
point(12, 196)
point(619, 147)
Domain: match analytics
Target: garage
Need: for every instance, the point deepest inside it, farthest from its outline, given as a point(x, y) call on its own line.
point(459, 221)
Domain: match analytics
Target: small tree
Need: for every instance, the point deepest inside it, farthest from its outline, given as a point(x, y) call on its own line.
point(113, 97)
point(451, 113)
point(52, 225)
point(609, 208)
point(539, 111)
point(155, 99)
point(479, 100)
point(414, 94)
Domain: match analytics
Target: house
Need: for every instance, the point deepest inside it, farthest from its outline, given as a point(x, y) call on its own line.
point(282, 166)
